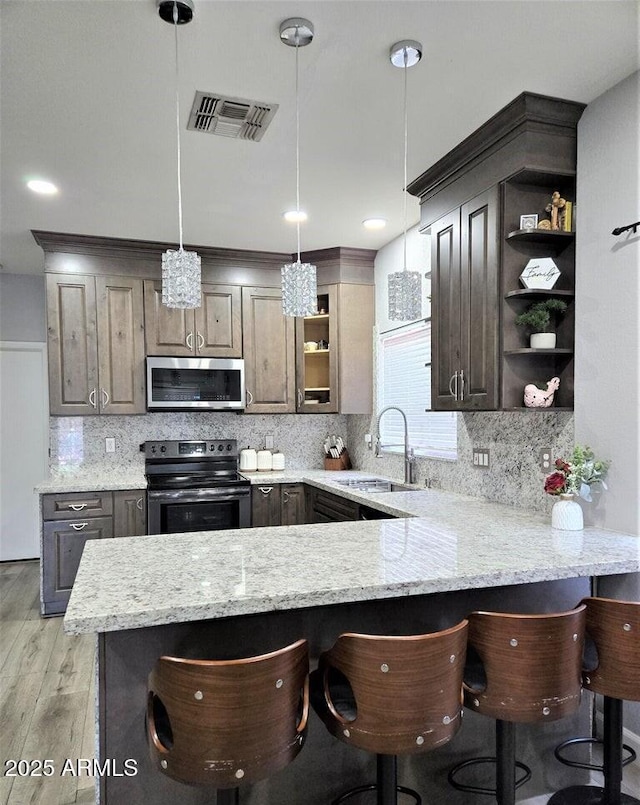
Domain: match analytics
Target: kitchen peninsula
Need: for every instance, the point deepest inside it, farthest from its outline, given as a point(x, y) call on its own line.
point(237, 593)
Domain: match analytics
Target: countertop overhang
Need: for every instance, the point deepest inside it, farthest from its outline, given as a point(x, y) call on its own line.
point(443, 542)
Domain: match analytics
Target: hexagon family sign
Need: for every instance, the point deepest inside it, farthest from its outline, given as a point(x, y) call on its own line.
point(540, 272)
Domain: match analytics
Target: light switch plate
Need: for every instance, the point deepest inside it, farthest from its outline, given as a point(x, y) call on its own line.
point(481, 457)
point(268, 441)
point(110, 444)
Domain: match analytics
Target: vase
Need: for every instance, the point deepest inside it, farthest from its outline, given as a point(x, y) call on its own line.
point(542, 341)
point(567, 514)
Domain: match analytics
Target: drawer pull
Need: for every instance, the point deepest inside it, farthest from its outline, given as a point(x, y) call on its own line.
point(265, 489)
point(139, 503)
point(77, 507)
point(79, 526)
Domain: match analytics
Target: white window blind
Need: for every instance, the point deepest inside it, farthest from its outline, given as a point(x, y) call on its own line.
point(404, 379)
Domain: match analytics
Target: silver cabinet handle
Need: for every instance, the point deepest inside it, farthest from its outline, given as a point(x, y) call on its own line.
point(200, 341)
point(249, 397)
point(139, 503)
point(92, 398)
point(285, 496)
point(77, 507)
point(300, 398)
point(452, 392)
point(461, 384)
point(189, 340)
point(265, 489)
point(78, 526)
point(105, 397)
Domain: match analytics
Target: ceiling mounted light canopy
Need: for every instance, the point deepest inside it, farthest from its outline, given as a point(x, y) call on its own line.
point(405, 287)
point(181, 272)
point(374, 223)
point(299, 283)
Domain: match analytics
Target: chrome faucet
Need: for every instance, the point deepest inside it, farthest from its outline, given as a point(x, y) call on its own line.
point(408, 451)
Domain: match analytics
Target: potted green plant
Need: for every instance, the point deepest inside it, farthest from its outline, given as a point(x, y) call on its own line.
point(542, 319)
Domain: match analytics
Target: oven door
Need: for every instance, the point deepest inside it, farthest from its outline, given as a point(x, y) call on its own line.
point(175, 511)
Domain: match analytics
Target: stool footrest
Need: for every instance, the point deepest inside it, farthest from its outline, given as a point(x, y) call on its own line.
point(352, 792)
point(587, 795)
point(479, 789)
point(576, 764)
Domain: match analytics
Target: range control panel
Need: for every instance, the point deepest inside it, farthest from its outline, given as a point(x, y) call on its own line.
point(191, 449)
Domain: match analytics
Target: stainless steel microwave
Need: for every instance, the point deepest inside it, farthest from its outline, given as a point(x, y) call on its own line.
point(199, 384)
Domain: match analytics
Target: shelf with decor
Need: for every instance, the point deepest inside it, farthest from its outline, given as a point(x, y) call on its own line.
point(530, 193)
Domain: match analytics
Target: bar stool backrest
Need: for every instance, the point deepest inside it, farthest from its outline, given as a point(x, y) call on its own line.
point(407, 690)
point(525, 668)
point(614, 627)
point(222, 723)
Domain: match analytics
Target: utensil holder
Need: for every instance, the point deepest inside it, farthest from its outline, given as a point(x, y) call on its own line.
point(343, 462)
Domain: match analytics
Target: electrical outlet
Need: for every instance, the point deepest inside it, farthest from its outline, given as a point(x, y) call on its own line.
point(110, 444)
point(545, 459)
point(268, 441)
point(481, 457)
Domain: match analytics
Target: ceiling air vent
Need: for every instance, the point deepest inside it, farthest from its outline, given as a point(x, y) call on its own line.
point(230, 117)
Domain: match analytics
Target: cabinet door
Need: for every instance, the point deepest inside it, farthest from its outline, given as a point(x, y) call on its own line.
point(265, 505)
point(129, 513)
point(445, 310)
point(324, 507)
point(63, 543)
point(269, 352)
point(479, 255)
point(218, 322)
point(72, 345)
point(168, 331)
point(120, 345)
point(293, 506)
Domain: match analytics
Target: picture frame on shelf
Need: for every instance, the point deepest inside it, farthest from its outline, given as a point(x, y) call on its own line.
point(528, 221)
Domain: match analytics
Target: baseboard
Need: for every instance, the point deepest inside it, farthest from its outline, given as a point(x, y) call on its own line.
point(631, 773)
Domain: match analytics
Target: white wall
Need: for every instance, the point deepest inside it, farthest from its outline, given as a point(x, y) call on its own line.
point(607, 380)
point(22, 308)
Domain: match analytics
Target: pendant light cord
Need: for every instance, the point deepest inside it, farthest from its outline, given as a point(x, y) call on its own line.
point(404, 186)
point(175, 29)
point(297, 144)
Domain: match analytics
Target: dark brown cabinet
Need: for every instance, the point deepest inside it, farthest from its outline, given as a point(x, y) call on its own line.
point(464, 272)
point(277, 504)
point(69, 521)
point(325, 507)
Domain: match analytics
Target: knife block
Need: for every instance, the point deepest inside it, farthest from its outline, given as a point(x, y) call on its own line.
point(343, 462)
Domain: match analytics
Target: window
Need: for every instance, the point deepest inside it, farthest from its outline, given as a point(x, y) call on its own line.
point(404, 379)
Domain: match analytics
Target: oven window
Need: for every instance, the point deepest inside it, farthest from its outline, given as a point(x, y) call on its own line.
point(179, 517)
point(195, 385)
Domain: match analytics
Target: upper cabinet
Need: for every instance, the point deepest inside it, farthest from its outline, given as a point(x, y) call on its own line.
point(471, 203)
point(95, 334)
point(213, 330)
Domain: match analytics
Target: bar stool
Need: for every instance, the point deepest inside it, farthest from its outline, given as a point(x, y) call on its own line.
point(219, 723)
point(391, 696)
point(614, 628)
point(520, 669)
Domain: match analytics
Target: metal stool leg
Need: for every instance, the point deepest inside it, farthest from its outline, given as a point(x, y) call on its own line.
point(227, 796)
point(386, 785)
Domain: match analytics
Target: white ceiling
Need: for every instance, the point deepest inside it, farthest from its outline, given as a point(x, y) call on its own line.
point(87, 101)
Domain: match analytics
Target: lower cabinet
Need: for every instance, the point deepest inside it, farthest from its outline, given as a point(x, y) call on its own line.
point(278, 504)
point(324, 507)
point(69, 521)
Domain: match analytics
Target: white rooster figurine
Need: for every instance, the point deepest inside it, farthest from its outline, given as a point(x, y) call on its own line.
point(535, 397)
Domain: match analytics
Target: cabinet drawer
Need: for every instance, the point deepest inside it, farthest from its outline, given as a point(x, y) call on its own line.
point(332, 508)
point(77, 504)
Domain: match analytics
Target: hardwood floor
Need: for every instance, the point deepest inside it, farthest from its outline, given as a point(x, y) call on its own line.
point(46, 694)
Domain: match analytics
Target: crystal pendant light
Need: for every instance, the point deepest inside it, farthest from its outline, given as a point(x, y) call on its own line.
point(181, 274)
point(405, 287)
point(299, 285)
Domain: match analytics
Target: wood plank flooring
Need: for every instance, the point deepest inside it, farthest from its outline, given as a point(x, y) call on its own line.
point(46, 694)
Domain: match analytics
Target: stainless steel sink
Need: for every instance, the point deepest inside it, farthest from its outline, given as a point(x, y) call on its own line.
point(375, 485)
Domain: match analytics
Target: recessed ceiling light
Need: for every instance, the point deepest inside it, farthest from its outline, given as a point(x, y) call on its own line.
point(42, 187)
point(294, 216)
point(374, 223)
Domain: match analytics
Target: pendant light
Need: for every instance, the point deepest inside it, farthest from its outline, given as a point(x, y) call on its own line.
point(405, 287)
point(299, 284)
point(181, 273)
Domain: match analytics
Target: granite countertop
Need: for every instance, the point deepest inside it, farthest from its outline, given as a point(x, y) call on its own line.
point(444, 542)
point(93, 479)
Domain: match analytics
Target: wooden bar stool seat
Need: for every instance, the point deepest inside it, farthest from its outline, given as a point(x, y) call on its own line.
point(520, 669)
point(612, 669)
point(391, 696)
point(219, 723)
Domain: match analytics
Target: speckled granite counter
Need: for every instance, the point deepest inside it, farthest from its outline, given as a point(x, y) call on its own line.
point(93, 479)
point(447, 542)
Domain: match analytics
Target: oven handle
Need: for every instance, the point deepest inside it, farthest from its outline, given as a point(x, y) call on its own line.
point(197, 495)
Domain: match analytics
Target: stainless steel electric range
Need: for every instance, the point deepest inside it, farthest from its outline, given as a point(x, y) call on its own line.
point(195, 486)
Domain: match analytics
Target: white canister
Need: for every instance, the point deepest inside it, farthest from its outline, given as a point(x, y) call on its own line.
point(248, 460)
point(265, 460)
point(277, 461)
